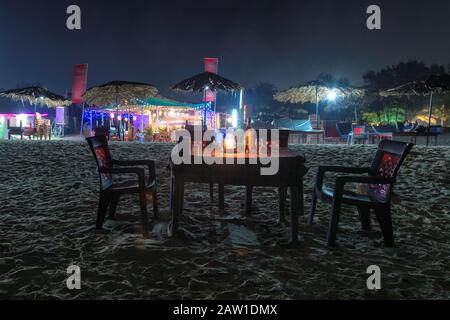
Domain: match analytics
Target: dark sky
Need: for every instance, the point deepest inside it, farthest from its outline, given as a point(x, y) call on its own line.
point(284, 42)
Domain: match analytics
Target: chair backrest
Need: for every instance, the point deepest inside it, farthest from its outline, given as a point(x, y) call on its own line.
point(344, 129)
point(102, 131)
point(384, 129)
point(103, 159)
point(401, 127)
point(331, 132)
point(387, 163)
point(358, 130)
point(436, 129)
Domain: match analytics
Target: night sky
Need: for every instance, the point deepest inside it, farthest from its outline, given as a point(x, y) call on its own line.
point(285, 42)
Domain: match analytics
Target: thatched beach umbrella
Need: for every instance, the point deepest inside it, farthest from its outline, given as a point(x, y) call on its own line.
point(208, 81)
point(316, 92)
point(36, 96)
point(117, 92)
point(430, 86)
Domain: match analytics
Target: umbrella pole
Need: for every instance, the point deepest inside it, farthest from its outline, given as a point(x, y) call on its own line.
point(157, 120)
point(118, 126)
point(90, 122)
point(429, 119)
point(317, 106)
point(82, 122)
point(141, 136)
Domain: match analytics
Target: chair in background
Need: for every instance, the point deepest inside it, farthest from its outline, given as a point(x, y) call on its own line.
point(385, 132)
point(332, 135)
point(102, 132)
point(344, 129)
point(358, 135)
point(380, 181)
point(110, 192)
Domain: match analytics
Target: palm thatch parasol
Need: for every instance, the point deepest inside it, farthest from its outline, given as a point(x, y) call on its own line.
point(207, 81)
point(116, 92)
point(317, 91)
point(432, 85)
point(36, 96)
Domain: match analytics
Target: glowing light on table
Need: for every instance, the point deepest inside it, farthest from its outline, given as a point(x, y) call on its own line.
point(230, 142)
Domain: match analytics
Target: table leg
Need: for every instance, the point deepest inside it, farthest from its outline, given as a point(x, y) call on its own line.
point(301, 204)
point(171, 192)
point(221, 197)
point(177, 205)
point(211, 192)
point(294, 212)
point(281, 204)
point(248, 199)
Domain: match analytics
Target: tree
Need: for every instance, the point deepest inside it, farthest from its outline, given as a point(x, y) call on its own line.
point(403, 72)
point(265, 108)
point(393, 76)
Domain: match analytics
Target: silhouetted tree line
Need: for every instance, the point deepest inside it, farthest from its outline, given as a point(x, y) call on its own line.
point(265, 108)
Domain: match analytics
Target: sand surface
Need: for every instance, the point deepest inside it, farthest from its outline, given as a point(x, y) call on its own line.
point(48, 206)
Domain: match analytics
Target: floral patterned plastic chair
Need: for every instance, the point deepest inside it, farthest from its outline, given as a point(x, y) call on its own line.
point(110, 191)
point(380, 181)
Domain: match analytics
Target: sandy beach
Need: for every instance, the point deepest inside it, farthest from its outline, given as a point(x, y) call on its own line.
point(48, 207)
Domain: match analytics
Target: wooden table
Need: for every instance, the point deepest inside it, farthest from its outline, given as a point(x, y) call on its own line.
point(291, 171)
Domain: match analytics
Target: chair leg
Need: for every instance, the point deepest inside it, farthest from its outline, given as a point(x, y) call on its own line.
point(144, 217)
point(385, 220)
point(211, 192)
point(113, 206)
point(364, 216)
point(334, 221)
point(313, 208)
point(281, 204)
point(295, 208)
point(155, 204)
point(102, 208)
point(248, 200)
point(221, 197)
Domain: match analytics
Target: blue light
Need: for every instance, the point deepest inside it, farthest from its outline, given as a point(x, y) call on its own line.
point(234, 116)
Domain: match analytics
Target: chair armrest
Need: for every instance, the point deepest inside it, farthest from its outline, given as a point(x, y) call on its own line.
point(351, 170)
point(342, 181)
point(140, 172)
point(149, 163)
point(355, 170)
point(365, 180)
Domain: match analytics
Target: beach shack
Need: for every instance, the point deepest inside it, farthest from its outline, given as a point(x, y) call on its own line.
point(20, 125)
point(152, 119)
